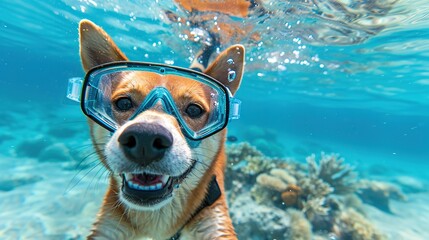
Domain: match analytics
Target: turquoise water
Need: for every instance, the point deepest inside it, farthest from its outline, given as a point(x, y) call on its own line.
point(350, 77)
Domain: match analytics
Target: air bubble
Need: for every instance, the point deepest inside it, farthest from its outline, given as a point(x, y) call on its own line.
point(231, 75)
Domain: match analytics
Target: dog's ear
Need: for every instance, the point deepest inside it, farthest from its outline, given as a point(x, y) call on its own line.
point(96, 46)
point(228, 67)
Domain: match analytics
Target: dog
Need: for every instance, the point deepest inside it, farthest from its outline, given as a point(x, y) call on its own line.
point(192, 176)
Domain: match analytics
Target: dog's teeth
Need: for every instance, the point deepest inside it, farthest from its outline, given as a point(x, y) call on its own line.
point(128, 176)
point(157, 186)
point(164, 179)
point(135, 185)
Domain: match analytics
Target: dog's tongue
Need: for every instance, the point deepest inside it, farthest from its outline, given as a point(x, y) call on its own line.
point(147, 179)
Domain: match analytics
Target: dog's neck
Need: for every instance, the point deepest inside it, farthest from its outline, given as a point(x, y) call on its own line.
point(213, 194)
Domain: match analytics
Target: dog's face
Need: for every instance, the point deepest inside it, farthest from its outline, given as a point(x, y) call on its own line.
point(150, 152)
point(149, 155)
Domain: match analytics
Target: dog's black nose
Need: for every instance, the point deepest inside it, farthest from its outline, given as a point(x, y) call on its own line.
point(145, 143)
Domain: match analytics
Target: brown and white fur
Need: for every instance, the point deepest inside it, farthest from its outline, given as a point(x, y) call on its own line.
point(120, 218)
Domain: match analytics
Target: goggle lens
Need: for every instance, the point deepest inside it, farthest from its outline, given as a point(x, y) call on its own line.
point(114, 93)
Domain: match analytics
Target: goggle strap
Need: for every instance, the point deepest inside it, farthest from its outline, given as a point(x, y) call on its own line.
point(234, 108)
point(74, 89)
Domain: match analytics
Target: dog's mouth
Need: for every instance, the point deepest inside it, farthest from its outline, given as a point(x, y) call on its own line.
point(146, 182)
point(146, 189)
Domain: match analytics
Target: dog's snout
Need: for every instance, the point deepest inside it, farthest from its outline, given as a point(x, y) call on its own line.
point(145, 143)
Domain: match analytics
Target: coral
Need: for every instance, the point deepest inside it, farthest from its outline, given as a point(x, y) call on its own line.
point(352, 225)
point(331, 170)
point(314, 187)
point(291, 195)
point(279, 184)
point(241, 151)
point(262, 195)
point(253, 221)
point(378, 194)
point(283, 175)
point(236, 190)
point(320, 193)
point(314, 207)
point(271, 182)
point(353, 201)
point(257, 165)
point(247, 160)
point(308, 192)
point(330, 177)
point(300, 227)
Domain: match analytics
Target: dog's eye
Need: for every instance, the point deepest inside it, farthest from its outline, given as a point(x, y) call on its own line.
point(124, 104)
point(194, 111)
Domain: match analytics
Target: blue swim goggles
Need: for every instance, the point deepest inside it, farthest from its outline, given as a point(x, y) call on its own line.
point(114, 93)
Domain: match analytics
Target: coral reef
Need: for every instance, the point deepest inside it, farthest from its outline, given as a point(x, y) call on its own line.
point(307, 191)
point(271, 182)
point(332, 170)
point(265, 196)
point(321, 197)
point(291, 195)
point(300, 227)
point(323, 180)
point(245, 162)
point(314, 207)
point(254, 221)
point(241, 152)
point(352, 225)
point(379, 193)
point(283, 175)
point(315, 187)
point(353, 201)
point(314, 193)
point(277, 185)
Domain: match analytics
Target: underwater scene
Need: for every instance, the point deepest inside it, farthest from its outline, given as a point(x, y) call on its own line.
point(333, 136)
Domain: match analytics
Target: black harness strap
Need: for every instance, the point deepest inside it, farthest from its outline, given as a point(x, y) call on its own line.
point(213, 194)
